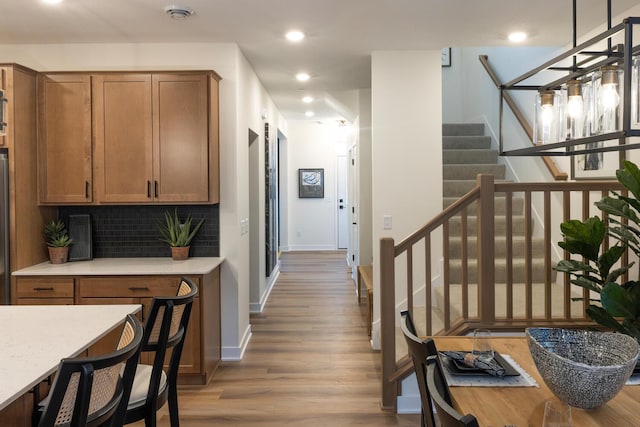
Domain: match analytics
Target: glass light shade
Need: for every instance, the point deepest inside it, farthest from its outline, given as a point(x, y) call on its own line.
point(547, 117)
point(608, 97)
point(635, 91)
point(574, 110)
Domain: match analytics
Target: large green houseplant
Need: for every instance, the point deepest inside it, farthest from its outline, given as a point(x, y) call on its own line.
point(178, 234)
point(601, 269)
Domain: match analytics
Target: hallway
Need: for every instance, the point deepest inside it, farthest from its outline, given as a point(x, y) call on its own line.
point(309, 361)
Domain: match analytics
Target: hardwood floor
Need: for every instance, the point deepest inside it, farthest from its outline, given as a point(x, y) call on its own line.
point(309, 361)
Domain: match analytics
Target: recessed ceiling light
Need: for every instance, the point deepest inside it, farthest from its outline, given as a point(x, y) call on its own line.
point(303, 77)
point(517, 37)
point(294, 36)
point(52, 1)
point(309, 113)
point(178, 12)
point(307, 99)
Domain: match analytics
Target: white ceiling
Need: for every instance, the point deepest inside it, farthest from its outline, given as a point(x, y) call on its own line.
point(341, 34)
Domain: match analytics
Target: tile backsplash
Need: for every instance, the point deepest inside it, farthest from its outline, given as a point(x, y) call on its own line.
point(131, 231)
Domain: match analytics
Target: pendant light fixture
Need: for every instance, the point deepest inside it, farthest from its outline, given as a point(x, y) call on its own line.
point(595, 106)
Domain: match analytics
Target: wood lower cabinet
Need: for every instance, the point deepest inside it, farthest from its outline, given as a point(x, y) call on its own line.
point(41, 290)
point(201, 351)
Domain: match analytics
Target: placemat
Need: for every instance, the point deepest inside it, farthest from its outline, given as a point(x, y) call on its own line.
point(522, 380)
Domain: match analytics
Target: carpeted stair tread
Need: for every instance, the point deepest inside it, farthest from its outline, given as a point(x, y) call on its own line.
point(500, 204)
point(471, 171)
point(456, 129)
point(460, 187)
point(466, 142)
point(468, 155)
point(518, 249)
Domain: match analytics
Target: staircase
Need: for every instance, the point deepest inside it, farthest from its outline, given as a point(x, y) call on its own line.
point(466, 153)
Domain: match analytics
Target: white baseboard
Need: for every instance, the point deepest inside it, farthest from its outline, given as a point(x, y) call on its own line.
point(257, 307)
point(311, 248)
point(234, 354)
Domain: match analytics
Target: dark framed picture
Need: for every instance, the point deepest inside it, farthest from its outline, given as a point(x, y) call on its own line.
point(597, 166)
point(446, 57)
point(311, 183)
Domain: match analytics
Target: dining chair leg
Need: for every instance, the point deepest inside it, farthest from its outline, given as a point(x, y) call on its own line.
point(173, 406)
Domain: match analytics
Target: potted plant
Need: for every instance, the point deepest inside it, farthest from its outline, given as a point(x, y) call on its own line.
point(58, 241)
point(178, 234)
point(618, 305)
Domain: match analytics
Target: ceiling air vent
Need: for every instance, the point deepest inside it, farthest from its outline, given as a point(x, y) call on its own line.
point(178, 12)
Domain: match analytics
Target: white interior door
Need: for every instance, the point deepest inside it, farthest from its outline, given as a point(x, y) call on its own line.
point(343, 204)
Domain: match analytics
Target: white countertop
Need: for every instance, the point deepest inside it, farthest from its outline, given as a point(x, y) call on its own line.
point(124, 267)
point(34, 338)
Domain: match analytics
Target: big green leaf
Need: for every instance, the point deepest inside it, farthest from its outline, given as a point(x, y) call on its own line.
point(609, 258)
point(616, 301)
point(587, 283)
point(601, 317)
point(583, 238)
point(571, 266)
point(629, 176)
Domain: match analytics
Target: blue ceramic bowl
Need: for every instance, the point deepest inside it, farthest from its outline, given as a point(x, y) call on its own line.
point(584, 369)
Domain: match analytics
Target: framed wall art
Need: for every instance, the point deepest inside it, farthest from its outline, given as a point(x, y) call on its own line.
point(311, 183)
point(596, 166)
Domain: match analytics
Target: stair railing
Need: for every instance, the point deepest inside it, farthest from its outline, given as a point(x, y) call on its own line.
point(549, 163)
point(466, 303)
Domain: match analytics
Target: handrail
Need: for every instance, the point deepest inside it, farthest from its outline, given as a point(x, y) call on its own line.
point(549, 163)
point(414, 261)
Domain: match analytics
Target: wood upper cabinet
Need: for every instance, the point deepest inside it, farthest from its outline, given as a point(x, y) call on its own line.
point(146, 137)
point(181, 137)
point(64, 139)
point(123, 150)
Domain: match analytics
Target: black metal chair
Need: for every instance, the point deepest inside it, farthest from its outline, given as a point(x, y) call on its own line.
point(92, 391)
point(439, 392)
point(419, 350)
point(165, 329)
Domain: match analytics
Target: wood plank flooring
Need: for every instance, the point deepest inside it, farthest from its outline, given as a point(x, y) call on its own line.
point(309, 361)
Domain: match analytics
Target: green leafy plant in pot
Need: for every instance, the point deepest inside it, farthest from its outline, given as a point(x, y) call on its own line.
point(600, 270)
point(178, 234)
point(58, 241)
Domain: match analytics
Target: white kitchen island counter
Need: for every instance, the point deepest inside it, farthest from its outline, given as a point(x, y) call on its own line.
point(35, 338)
point(123, 267)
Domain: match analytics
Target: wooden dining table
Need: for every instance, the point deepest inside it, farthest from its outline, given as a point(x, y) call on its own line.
point(524, 406)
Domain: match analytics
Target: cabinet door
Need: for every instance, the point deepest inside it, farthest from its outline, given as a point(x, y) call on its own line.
point(64, 138)
point(122, 137)
point(181, 137)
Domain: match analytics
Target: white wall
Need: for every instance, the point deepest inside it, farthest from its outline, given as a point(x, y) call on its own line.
point(365, 244)
point(242, 99)
point(312, 222)
point(406, 148)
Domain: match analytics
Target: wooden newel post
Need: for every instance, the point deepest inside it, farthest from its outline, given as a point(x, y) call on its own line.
point(387, 321)
point(486, 249)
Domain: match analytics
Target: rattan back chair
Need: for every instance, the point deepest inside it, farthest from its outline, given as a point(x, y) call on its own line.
point(92, 391)
point(165, 330)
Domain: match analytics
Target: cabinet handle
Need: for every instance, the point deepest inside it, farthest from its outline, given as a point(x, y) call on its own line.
point(86, 189)
point(138, 288)
point(42, 289)
point(155, 186)
point(148, 189)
